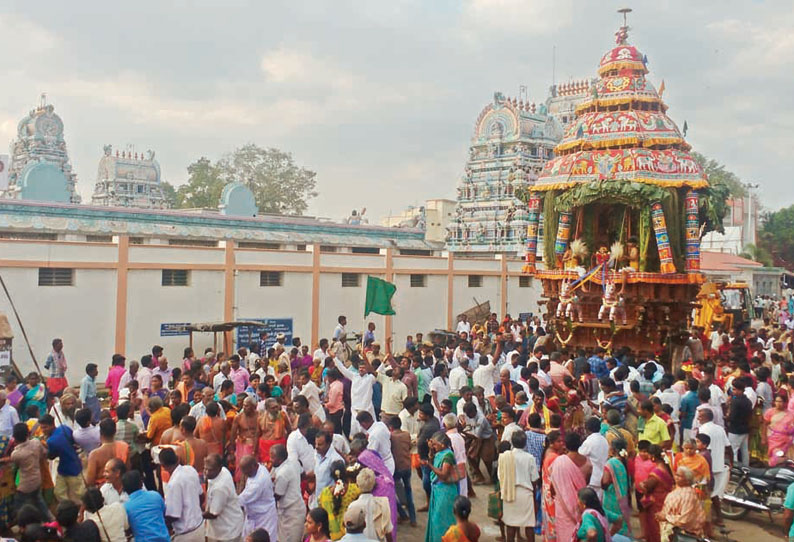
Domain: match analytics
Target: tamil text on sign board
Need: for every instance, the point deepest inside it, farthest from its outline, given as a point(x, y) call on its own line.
point(272, 326)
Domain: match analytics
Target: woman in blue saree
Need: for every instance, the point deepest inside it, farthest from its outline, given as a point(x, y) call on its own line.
point(444, 484)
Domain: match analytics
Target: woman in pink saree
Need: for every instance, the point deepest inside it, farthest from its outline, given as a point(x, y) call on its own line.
point(569, 474)
point(779, 433)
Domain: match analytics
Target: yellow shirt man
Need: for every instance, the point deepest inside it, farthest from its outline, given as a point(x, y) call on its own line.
point(655, 430)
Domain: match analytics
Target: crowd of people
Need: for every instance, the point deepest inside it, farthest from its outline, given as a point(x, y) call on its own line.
point(279, 442)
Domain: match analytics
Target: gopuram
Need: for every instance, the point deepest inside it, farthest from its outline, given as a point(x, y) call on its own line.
point(512, 140)
point(40, 167)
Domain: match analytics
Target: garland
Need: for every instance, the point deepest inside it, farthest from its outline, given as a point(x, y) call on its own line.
point(607, 345)
point(564, 342)
point(632, 194)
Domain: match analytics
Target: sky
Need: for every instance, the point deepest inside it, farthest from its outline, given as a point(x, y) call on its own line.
point(380, 98)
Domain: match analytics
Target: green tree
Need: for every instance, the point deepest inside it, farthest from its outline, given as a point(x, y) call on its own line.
point(169, 192)
point(757, 253)
point(717, 174)
point(279, 185)
point(203, 187)
point(777, 236)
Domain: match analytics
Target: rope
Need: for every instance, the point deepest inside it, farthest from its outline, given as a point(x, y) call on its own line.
point(43, 379)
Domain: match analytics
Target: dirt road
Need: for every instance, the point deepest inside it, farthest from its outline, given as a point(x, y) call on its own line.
point(753, 528)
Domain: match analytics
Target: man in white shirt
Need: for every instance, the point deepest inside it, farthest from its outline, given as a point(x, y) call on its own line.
point(322, 352)
point(340, 333)
point(199, 410)
point(298, 447)
point(596, 448)
point(324, 457)
point(393, 390)
point(287, 491)
point(223, 513)
point(222, 376)
point(182, 499)
point(251, 360)
point(515, 368)
point(8, 415)
point(458, 378)
point(339, 442)
point(257, 499)
point(379, 438)
point(485, 376)
point(145, 373)
point(129, 375)
point(312, 393)
point(409, 420)
point(467, 396)
point(668, 396)
point(463, 325)
point(112, 490)
point(720, 448)
point(509, 421)
point(360, 391)
point(519, 513)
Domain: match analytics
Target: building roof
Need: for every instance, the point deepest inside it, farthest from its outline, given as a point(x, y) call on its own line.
point(45, 217)
point(724, 261)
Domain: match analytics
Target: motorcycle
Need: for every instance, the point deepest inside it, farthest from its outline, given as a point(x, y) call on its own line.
point(685, 536)
point(759, 489)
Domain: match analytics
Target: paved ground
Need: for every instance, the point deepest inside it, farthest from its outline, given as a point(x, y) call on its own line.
point(753, 528)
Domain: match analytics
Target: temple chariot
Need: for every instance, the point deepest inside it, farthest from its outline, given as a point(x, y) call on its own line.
point(624, 206)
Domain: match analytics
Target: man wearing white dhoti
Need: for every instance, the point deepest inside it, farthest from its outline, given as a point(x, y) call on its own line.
point(518, 474)
point(287, 492)
point(223, 513)
point(257, 499)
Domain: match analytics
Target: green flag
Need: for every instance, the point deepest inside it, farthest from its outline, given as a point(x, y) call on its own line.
point(379, 294)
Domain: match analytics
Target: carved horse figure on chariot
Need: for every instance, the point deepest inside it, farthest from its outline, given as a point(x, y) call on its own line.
point(569, 302)
point(613, 302)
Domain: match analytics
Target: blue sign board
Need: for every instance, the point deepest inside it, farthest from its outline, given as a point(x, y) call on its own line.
point(174, 330)
point(524, 316)
point(272, 326)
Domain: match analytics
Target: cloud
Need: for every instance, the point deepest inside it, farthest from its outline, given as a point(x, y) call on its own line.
point(761, 48)
point(21, 31)
point(380, 98)
point(297, 67)
point(537, 16)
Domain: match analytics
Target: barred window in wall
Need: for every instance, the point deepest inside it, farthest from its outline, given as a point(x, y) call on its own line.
point(49, 276)
point(418, 281)
point(270, 278)
point(351, 280)
point(258, 245)
point(524, 281)
point(175, 277)
point(99, 238)
point(475, 281)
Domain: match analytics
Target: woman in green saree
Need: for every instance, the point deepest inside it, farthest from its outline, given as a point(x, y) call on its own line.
point(615, 482)
point(444, 484)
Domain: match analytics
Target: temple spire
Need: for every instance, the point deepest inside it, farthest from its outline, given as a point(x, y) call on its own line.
point(623, 33)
